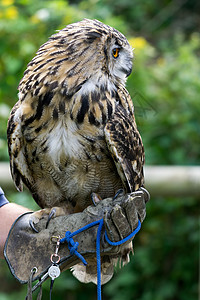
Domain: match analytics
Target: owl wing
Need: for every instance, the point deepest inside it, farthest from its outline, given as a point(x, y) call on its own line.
point(125, 145)
point(18, 164)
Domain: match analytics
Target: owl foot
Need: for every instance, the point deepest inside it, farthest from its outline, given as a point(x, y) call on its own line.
point(40, 214)
point(95, 198)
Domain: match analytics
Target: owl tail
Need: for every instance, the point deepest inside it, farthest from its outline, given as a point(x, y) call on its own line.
point(88, 273)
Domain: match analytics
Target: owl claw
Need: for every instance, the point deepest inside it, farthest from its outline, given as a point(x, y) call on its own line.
point(146, 194)
point(31, 223)
point(120, 191)
point(50, 216)
point(46, 213)
point(95, 198)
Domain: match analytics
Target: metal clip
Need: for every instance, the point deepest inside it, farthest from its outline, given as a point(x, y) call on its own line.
point(55, 258)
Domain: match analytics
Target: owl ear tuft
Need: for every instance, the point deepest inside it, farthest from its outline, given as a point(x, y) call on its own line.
point(91, 36)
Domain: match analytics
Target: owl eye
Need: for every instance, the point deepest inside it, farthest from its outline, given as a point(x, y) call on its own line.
point(115, 52)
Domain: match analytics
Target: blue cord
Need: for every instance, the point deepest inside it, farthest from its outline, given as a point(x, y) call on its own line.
point(73, 246)
point(98, 256)
point(126, 238)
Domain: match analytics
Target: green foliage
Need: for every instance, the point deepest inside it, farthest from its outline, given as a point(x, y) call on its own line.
point(168, 86)
point(165, 89)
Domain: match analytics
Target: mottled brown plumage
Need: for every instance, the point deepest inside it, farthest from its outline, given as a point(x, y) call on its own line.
point(73, 130)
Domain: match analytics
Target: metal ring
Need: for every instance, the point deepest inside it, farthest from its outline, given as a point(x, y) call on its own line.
point(34, 270)
point(55, 238)
point(55, 261)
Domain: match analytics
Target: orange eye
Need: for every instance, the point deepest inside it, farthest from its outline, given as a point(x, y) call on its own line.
point(115, 52)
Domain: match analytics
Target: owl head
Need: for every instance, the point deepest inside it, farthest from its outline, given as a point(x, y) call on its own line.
point(83, 55)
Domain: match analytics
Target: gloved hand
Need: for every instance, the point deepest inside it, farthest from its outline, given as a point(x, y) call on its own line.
point(122, 219)
point(26, 249)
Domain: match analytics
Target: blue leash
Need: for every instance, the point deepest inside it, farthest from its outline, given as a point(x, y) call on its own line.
point(73, 246)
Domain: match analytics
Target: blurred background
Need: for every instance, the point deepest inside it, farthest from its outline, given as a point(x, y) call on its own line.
point(165, 88)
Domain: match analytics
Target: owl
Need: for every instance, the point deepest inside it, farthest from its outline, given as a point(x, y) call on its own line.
point(72, 132)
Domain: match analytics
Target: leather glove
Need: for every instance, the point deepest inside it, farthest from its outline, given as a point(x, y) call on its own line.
point(26, 249)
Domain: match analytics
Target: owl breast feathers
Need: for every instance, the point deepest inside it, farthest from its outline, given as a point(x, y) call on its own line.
point(73, 130)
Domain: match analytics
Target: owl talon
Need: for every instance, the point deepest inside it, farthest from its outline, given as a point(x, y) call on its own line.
point(95, 198)
point(31, 223)
point(120, 191)
point(47, 214)
point(146, 194)
point(50, 216)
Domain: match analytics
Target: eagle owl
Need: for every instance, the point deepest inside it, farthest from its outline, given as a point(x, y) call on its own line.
point(73, 132)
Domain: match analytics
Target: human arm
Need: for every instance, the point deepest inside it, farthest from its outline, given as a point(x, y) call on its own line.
point(9, 212)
